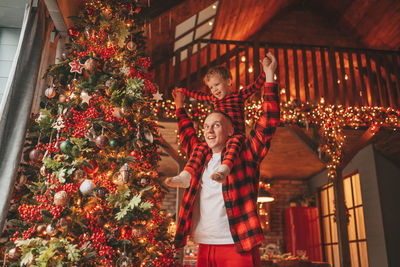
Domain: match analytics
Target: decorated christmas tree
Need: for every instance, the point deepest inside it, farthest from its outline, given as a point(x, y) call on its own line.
point(88, 192)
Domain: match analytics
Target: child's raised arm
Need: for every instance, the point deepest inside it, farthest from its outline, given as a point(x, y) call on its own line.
point(201, 96)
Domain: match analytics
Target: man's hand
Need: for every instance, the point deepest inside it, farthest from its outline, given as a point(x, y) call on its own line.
point(269, 66)
point(179, 97)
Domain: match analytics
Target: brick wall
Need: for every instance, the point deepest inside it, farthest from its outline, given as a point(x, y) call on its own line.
point(169, 202)
point(283, 190)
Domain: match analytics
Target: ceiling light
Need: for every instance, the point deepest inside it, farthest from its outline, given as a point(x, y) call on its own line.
point(264, 196)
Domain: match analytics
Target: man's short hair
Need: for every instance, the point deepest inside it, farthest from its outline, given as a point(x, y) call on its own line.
point(222, 113)
point(221, 70)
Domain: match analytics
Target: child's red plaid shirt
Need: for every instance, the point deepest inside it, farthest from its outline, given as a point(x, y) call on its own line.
point(240, 189)
point(233, 104)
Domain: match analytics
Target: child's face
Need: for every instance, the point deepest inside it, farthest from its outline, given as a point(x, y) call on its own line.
point(219, 86)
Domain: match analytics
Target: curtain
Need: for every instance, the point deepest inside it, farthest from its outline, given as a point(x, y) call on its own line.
point(20, 91)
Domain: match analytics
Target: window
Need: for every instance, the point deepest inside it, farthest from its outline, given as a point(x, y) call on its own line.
point(199, 26)
point(355, 226)
point(330, 244)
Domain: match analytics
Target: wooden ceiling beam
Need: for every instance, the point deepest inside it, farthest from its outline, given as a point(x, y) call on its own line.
point(158, 7)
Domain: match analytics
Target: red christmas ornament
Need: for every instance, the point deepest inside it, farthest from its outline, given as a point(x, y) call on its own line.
point(35, 155)
point(93, 168)
point(101, 140)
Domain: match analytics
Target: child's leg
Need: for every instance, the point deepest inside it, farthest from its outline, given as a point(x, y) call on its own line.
point(233, 147)
point(195, 162)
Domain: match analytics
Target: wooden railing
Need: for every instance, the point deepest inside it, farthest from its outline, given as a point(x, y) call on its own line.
point(346, 76)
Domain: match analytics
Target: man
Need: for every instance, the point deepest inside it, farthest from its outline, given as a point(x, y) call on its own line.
point(223, 218)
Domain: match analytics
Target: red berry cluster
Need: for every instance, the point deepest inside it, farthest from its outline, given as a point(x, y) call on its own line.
point(28, 232)
point(149, 85)
point(98, 241)
point(167, 258)
point(144, 62)
point(69, 188)
point(15, 236)
point(55, 211)
point(30, 213)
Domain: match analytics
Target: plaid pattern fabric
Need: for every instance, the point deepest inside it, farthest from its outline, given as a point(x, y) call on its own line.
point(241, 186)
point(233, 104)
point(200, 151)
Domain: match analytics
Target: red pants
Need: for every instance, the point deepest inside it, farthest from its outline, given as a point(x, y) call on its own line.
point(226, 256)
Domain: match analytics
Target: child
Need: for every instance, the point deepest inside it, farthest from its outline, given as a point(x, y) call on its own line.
point(219, 80)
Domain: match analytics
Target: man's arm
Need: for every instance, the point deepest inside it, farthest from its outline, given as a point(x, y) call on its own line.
point(201, 96)
point(260, 136)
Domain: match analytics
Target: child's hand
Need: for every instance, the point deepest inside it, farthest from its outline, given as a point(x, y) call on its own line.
point(179, 97)
point(269, 66)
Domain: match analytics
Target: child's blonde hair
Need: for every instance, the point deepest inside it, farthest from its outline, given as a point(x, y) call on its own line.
point(221, 70)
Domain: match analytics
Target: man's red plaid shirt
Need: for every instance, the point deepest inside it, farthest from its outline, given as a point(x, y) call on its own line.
point(240, 189)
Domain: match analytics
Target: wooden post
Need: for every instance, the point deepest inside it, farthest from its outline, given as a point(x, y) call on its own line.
point(356, 98)
point(287, 82)
point(315, 73)
point(305, 74)
point(296, 73)
point(341, 220)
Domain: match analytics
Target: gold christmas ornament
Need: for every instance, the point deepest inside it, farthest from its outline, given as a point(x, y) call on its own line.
point(40, 229)
point(125, 172)
point(131, 46)
point(62, 98)
point(50, 92)
point(61, 198)
point(90, 64)
point(14, 253)
point(43, 170)
point(51, 230)
point(139, 231)
point(117, 112)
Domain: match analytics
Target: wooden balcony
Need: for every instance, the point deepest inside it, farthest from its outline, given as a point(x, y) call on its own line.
point(342, 76)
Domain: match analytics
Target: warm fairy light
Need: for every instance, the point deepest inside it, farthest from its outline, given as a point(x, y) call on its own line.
point(322, 101)
point(283, 91)
point(338, 81)
point(214, 6)
point(243, 58)
point(275, 77)
point(346, 77)
point(210, 23)
point(241, 87)
point(251, 69)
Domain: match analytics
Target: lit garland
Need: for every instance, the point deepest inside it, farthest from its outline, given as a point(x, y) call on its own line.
point(330, 119)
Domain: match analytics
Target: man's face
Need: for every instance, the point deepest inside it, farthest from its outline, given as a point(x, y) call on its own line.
point(219, 86)
point(217, 130)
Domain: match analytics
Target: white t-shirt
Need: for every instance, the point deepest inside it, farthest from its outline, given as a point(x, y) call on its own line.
point(210, 222)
